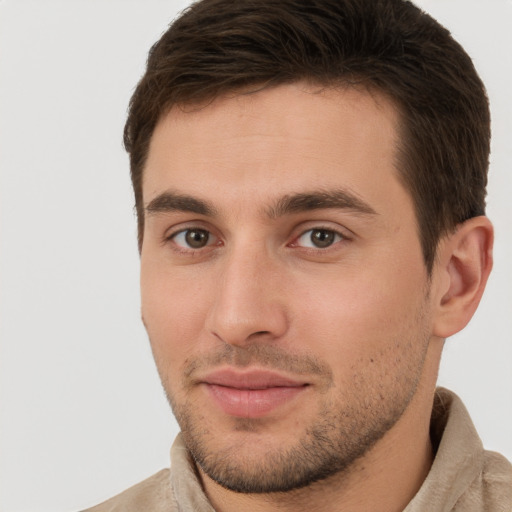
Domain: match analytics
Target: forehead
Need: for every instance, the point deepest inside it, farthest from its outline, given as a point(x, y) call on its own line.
point(256, 147)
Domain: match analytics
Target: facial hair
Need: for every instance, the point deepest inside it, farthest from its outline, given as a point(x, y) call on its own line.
point(348, 423)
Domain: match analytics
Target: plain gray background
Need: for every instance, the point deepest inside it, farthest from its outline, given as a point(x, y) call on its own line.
point(82, 412)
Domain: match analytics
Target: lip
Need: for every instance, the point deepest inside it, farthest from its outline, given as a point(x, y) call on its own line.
point(253, 393)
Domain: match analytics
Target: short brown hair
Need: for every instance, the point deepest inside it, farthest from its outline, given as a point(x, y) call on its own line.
point(220, 46)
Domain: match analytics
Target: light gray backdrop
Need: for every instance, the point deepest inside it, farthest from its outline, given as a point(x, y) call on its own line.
point(82, 412)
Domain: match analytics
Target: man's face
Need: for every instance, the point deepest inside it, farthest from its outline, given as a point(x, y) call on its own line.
point(283, 285)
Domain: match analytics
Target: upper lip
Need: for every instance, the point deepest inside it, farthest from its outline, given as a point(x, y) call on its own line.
point(250, 379)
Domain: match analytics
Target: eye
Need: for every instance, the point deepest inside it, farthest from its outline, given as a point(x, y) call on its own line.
point(319, 238)
point(193, 238)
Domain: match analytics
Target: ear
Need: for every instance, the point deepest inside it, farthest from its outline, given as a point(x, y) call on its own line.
point(464, 262)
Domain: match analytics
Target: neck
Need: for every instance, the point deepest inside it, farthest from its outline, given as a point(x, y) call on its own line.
point(386, 478)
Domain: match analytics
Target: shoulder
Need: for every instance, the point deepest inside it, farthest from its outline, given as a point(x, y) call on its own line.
point(497, 481)
point(154, 493)
point(492, 488)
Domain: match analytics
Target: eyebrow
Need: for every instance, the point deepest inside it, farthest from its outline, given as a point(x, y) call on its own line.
point(171, 202)
point(320, 200)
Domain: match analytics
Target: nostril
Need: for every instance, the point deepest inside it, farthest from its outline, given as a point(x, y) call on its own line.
point(260, 333)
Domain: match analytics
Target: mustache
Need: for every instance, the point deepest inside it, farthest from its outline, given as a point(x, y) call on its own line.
point(267, 356)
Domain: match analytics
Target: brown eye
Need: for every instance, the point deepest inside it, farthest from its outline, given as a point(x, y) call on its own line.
point(192, 238)
point(319, 238)
point(322, 237)
point(196, 238)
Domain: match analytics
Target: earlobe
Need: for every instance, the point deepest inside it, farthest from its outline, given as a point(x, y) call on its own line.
point(463, 266)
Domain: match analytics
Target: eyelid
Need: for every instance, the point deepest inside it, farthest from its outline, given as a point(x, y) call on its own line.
point(171, 233)
point(303, 238)
point(345, 234)
point(211, 240)
point(174, 229)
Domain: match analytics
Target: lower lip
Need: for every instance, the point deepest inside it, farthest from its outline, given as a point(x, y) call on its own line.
point(252, 403)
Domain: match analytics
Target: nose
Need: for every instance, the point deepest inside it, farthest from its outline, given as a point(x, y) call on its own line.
point(249, 302)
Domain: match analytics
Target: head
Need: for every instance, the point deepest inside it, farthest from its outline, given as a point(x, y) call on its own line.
point(218, 47)
point(307, 178)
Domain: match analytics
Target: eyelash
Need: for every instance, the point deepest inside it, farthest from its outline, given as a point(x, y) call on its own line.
point(339, 237)
point(189, 250)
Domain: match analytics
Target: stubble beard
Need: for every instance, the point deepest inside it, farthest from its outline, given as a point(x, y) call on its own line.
point(343, 431)
point(327, 448)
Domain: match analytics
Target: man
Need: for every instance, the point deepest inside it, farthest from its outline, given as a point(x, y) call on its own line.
point(310, 184)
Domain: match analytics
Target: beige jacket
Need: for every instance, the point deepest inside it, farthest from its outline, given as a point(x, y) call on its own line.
point(463, 477)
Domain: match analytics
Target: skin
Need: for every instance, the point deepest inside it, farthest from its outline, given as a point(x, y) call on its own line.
point(354, 317)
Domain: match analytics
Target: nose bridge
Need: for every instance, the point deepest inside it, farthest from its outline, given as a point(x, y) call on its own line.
point(248, 300)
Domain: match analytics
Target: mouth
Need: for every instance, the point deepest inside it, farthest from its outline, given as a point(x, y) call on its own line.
point(251, 394)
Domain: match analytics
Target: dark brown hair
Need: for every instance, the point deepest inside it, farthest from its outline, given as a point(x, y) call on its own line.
point(220, 46)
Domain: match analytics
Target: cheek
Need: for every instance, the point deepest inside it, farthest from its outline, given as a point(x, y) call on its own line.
point(363, 316)
point(173, 314)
